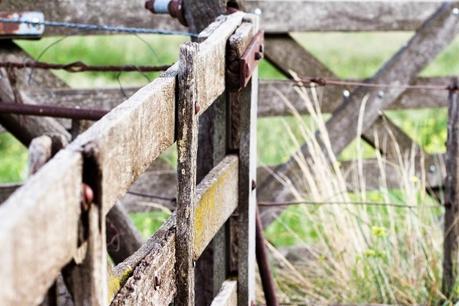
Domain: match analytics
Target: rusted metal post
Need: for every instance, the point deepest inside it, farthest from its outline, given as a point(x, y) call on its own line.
point(451, 229)
point(266, 276)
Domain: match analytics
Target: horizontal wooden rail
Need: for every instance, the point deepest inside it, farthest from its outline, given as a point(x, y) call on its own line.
point(39, 230)
point(216, 200)
point(127, 140)
point(277, 15)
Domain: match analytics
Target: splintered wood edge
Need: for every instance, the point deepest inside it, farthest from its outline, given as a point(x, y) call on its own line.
point(39, 230)
point(227, 296)
point(216, 200)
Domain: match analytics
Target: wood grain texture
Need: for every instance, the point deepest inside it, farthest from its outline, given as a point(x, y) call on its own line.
point(187, 146)
point(282, 16)
point(87, 11)
point(210, 59)
point(148, 276)
point(216, 200)
point(40, 151)
point(129, 138)
point(451, 226)
point(39, 236)
point(227, 295)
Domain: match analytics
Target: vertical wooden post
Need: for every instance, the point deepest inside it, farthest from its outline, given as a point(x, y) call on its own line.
point(451, 229)
point(187, 142)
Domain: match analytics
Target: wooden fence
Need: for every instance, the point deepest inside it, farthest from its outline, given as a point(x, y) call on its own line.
point(145, 125)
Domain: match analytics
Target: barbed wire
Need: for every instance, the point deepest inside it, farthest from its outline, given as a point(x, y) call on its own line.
point(97, 27)
point(77, 67)
point(322, 82)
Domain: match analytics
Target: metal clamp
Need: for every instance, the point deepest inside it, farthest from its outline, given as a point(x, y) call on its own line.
point(251, 57)
point(172, 7)
point(22, 30)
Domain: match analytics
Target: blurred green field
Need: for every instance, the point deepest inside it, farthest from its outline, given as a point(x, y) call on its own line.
point(350, 55)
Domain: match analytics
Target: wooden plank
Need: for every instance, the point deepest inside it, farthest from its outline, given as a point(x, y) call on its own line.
point(272, 93)
point(281, 16)
point(129, 138)
point(227, 295)
point(435, 34)
point(36, 243)
point(451, 226)
point(210, 59)
point(216, 200)
point(148, 276)
point(87, 11)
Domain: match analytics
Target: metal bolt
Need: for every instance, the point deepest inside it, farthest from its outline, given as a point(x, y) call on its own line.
point(257, 11)
point(455, 11)
point(432, 168)
point(346, 93)
point(380, 94)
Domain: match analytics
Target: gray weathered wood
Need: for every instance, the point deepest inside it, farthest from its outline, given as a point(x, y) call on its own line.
point(187, 141)
point(40, 151)
point(436, 33)
point(216, 199)
point(451, 226)
point(148, 276)
point(227, 295)
point(142, 128)
point(37, 244)
point(281, 16)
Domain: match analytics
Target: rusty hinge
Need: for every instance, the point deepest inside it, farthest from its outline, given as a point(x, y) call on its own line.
point(250, 59)
point(22, 30)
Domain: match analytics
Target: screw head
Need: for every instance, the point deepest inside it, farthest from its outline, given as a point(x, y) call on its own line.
point(346, 93)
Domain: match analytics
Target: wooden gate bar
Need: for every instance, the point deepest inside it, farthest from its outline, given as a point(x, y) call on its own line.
point(39, 230)
point(216, 200)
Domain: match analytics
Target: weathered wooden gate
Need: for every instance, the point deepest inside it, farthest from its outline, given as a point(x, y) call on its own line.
point(55, 223)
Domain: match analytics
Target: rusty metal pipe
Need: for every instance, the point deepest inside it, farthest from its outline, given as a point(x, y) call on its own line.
point(52, 111)
point(266, 276)
point(172, 7)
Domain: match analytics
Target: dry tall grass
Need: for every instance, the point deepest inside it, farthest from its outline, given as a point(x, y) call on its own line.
point(358, 253)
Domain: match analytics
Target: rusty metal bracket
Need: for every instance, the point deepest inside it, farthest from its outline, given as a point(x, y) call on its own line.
point(251, 57)
point(22, 30)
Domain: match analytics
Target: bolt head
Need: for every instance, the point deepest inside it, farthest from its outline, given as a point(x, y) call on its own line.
point(346, 93)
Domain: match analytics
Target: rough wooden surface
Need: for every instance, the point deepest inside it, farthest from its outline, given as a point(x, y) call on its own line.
point(40, 151)
point(451, 226)
point(39, 236)
point(142, 128)
point(148, 276)
point(227, 295)
point(211, 60)
point(281, 16)
point(216, 200)
point(187, 142)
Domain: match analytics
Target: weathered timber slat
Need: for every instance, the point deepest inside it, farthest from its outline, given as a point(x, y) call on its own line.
point(210, 60)
point(130, 137)
point(227, 295)
point(281, 16)
point(148, 276)
point(39, 230)
point(216, 200)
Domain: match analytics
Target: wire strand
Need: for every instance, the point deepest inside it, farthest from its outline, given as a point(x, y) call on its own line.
point(315, 203)
point(97, 27)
